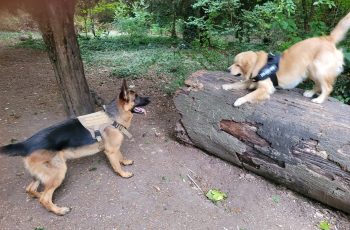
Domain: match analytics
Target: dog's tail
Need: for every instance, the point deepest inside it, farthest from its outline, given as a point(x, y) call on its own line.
point(340, 30)
point(18, 149)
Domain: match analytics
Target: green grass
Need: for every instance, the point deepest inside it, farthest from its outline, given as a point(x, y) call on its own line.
point(8, 36)
point(159, 58)
point(12, 39)
point(33, 43)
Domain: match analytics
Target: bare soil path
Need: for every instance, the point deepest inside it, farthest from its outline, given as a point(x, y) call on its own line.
point(160, 195)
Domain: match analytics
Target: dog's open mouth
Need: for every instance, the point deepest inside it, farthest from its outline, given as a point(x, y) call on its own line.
point(139, 110)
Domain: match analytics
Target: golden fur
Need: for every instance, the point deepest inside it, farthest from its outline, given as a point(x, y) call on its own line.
point(315, 58)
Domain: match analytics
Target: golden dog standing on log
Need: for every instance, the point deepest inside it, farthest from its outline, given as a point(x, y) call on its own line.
point(315, 58)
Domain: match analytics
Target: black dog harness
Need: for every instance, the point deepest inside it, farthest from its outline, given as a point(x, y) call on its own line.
point(269, 70)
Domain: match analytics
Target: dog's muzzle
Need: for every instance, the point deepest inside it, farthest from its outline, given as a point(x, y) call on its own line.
point(140, 102)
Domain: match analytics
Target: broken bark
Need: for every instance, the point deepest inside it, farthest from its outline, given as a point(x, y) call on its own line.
point(288, 139)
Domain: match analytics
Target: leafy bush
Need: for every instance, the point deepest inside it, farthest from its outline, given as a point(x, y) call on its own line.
point(213, 21)
point(95, 17)
point(137, 24)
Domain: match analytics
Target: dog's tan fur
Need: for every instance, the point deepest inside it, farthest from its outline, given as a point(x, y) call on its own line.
point(315, 58)
point(49, 168)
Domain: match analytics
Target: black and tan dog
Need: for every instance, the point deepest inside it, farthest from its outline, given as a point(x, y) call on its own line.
point(46, 152)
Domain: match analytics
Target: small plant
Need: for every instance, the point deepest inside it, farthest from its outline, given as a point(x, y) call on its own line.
point(39, 228)
point(216, 195)
point(324, 225)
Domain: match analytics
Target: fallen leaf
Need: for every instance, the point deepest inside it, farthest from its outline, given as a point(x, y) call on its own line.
point(324, 225)
point(216, 195)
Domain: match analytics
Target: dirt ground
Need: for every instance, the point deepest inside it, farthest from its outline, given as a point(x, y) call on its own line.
point(160, 195)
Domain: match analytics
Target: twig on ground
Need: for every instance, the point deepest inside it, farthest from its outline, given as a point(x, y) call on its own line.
point(189, 177)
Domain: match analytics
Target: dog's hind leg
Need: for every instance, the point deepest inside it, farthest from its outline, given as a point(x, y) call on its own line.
point(313, 91)
point(32, 189)
point(50, 169)
point(55, 171)
point(326, 86)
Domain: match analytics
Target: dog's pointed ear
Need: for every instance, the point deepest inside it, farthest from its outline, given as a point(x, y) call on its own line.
point(124, 91)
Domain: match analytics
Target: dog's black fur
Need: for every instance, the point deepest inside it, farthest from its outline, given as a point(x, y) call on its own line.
point(67, 134)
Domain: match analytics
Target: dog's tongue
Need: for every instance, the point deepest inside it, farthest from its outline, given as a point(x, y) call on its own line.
point(140, 110)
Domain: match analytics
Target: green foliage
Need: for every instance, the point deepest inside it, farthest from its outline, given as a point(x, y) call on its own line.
point(153, 57)
point(342, 88)
point(213, 21)
point(329, 3)
point(36, 44)
point(95, 16)
point(137, 24)
point(274, 22)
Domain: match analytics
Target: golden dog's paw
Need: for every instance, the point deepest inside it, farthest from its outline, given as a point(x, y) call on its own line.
point(318, 100)
point(226, 87)
point(240, 101)
point(63, 211)
point(309, 93)
point(126, 174)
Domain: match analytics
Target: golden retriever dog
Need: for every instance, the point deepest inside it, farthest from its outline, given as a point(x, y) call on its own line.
point(315, 58)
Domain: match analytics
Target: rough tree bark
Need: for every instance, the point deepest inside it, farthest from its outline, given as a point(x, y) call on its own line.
point(56, 23)
point(288, 139)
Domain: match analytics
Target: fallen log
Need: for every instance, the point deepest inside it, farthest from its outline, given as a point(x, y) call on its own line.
point(288, 139)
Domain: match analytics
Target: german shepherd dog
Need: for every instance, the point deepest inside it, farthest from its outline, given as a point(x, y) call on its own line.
point(47, 151)
point(316, 58)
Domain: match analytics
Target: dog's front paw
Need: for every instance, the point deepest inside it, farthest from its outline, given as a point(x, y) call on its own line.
point(240, 101)
point(63, 211)
point(126, 174)
point(127, 162)
point(226, 87)
point(318, 100)
point(309, 93)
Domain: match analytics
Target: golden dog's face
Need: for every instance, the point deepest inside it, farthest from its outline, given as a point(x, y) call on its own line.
point(244, 64)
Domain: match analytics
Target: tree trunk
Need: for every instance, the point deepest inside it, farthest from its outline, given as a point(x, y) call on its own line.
point(190, 32)
point(57, 27)
point(305, 15)
point(173, 27)
point(288, 139)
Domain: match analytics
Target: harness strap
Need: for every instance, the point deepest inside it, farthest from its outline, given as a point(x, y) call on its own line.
point(269, 70)
point(96, 122)
point(122, 129)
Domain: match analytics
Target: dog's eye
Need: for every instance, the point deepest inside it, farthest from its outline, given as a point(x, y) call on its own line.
point(238, 65)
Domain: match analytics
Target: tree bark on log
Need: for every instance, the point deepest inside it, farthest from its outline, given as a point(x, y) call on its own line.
point(55, 18)
point(288, 139)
